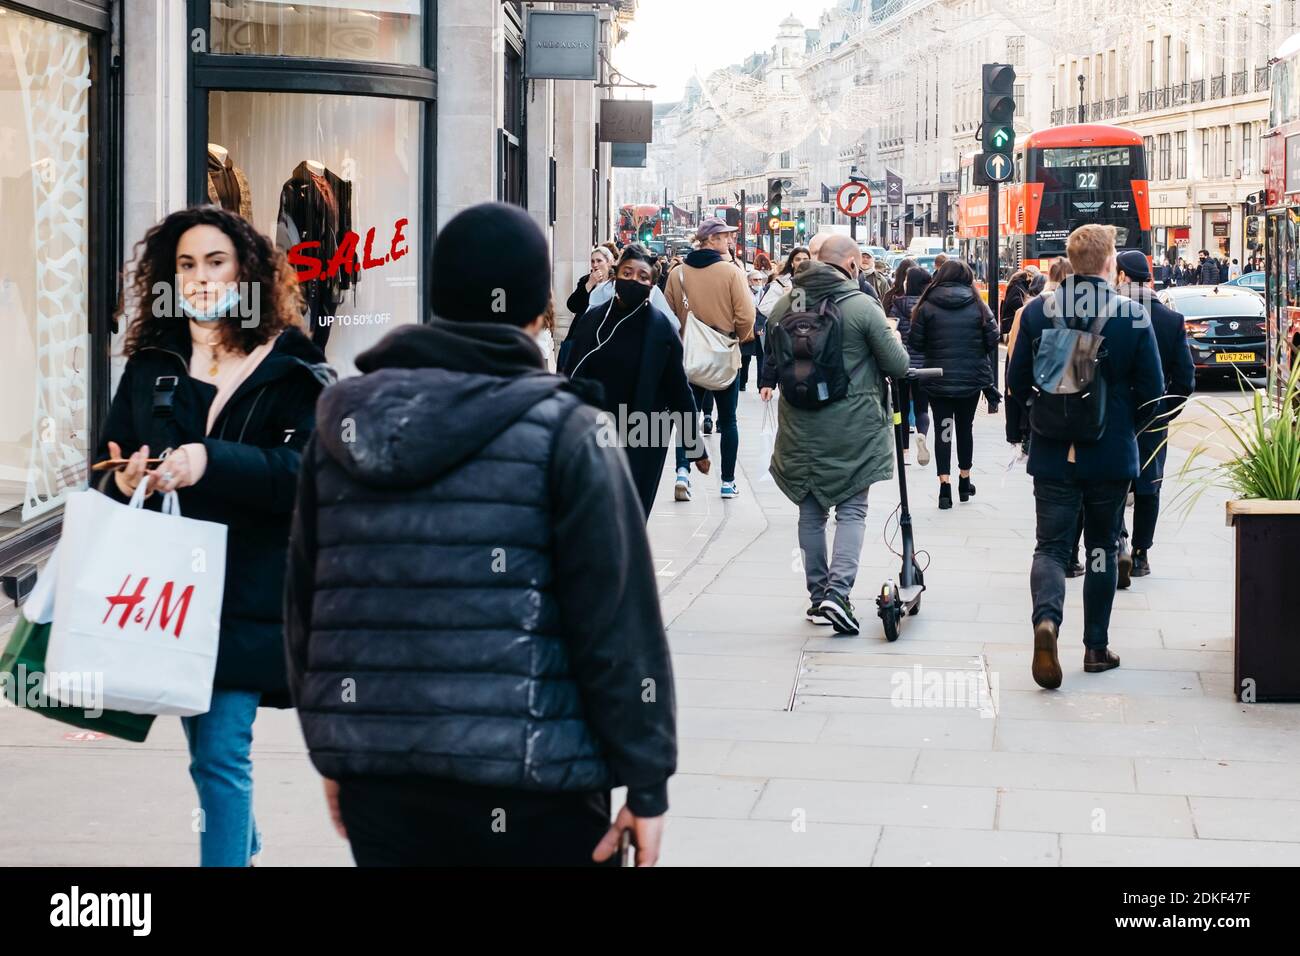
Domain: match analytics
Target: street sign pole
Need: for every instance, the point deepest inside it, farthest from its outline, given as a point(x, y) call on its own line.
point(995, 233)
point(741, 242)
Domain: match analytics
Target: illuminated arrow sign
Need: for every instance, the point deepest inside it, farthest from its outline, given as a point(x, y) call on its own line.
point(998, 168)
point(1001, 137)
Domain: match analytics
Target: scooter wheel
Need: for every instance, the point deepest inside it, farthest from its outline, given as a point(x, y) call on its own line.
point(891, 626)
point(890, 615)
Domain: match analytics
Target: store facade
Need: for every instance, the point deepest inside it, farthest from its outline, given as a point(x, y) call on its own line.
point(316, 122)
point(60, 129)
point(344, 130)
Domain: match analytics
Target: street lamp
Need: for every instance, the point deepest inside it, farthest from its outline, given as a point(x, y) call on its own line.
point(1082, 117)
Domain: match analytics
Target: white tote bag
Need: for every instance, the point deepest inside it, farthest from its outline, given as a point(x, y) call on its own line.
point(767, 438)
point(712, 358)
point(137, 599)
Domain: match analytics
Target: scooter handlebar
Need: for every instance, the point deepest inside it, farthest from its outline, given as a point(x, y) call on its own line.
point(918, 374)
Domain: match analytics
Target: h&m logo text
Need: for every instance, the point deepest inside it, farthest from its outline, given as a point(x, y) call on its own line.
point(133, 605)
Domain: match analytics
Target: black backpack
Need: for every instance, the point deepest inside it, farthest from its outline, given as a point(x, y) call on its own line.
point(807, 349)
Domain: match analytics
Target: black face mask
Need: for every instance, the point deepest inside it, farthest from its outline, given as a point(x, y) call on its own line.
point(630, 292)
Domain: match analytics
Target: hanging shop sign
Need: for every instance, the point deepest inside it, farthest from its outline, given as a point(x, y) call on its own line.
point(626, 121)
point(561, 45)
point(893, 188)
point(628, 155)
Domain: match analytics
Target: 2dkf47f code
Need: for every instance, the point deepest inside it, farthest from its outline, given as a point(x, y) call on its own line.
point(1196, 898)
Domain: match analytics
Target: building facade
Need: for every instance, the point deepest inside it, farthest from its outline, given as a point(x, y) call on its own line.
point(1198, 92)
point(118, 112)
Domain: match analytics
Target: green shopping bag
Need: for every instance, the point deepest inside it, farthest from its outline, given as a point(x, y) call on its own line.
point(22, 666)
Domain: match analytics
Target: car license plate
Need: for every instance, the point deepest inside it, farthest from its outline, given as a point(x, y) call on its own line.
point(1235, 357)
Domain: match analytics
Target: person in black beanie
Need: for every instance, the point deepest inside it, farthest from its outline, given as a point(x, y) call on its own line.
point(469, 557)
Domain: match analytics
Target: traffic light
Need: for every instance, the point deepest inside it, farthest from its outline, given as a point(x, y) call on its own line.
point(801, 224)
point(774, 198)
point(999, 109)
point(647, 232)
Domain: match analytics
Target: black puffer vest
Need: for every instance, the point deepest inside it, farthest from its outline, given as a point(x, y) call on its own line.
point(436, 644)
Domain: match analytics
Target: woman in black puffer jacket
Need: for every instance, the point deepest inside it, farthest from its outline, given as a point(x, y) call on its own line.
point(954, 330)
point(906, 293)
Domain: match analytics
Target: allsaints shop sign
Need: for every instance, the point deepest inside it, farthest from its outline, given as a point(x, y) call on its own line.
point(561, 46)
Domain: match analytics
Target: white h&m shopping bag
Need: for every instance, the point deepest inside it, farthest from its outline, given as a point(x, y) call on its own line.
point(138, 599)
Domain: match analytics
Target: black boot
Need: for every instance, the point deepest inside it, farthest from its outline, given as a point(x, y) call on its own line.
point(965, 489)
point(945, 496)
point(1075, 570)
point(1125, 576)
point(1141, 564)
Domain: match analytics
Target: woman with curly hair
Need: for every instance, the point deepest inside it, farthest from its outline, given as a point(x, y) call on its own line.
point(221, 384)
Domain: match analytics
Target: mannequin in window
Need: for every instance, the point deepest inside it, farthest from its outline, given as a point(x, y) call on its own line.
point(316, 206)
point(227, 185)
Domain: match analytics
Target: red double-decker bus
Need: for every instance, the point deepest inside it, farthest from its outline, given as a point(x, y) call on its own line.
point(1282, 212)
point(632, 217)
point(1065, 177)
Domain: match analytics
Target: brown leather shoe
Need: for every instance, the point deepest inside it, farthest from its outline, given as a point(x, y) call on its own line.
point(1046, 666)
point(1096, 660)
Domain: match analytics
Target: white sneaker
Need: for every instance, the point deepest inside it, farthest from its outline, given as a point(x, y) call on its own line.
point(729, 490)
point(682, 487)
point(922, 450)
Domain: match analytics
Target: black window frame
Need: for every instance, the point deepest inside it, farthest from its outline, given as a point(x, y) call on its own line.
point(101, 20)
point(512, 136)
point(227, 72)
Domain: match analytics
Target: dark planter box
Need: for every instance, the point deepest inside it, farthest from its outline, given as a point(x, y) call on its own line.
point(1266, 626)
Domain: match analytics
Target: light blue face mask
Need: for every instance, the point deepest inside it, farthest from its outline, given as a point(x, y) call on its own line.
point(224, 307)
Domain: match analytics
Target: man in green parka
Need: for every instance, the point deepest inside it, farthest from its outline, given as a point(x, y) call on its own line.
point(829, 457)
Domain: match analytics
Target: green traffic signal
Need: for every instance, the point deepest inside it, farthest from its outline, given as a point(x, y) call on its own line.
point(1001, 137)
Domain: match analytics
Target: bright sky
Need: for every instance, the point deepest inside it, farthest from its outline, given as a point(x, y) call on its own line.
point(670, 39)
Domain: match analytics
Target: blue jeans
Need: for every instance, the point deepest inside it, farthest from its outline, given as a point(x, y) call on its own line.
point(1058, 504)
point(222, 768)
point(725, 425)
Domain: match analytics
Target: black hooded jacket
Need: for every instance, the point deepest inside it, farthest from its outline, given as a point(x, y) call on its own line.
point(954, 330)
point(471, 595)
point(253, 452)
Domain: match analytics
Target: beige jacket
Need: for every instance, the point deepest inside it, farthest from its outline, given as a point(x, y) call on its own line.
point(718, 295)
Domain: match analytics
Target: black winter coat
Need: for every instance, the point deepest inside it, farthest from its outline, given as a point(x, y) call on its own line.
point(579, 298)
point(1180, 381)
point(248, 485)
point(900, 309)
point(471, 596)
point(954, 330)
point(660, 385)
point(1209, 272)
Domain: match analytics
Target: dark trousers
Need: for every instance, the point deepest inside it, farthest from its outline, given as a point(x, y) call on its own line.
point(751, 350)
point(954, 420)
point(916, 406)
point(1058, 504)
point(411, 821)
point(1146, 510)
point(725, 425)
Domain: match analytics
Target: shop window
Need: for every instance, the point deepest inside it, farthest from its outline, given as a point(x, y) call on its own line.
point(512, 170)
point(377, 31)
point(44, 266)
point(336, 181)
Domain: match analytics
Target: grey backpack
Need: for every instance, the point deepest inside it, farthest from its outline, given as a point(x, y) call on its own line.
point(1069, 399)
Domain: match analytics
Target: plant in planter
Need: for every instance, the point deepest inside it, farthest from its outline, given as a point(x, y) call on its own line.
point(1258, 459)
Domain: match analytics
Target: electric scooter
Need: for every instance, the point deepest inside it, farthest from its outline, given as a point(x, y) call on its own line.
point(902, 598)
